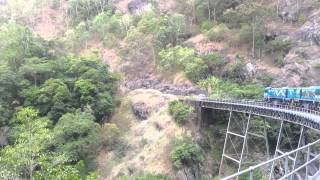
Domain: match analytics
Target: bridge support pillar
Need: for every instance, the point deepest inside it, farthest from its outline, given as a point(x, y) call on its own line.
point(276, 150)
point(229, 134)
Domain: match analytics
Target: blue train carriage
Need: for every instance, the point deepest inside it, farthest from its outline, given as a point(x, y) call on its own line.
point(307, 97)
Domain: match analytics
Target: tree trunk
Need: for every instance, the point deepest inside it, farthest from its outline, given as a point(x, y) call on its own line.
point(278, 6)
point(253, 37)
point(209, 11)
point(194, 11)
point(214, 15)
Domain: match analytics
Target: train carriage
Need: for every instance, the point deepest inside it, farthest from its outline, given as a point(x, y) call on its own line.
point(307, 97)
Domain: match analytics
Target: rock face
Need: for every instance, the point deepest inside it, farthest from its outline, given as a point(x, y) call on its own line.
point(152, 82)
point(137, 6)
point(141, 110)
point(301, 67)
point(310, 31)
point(143, 105)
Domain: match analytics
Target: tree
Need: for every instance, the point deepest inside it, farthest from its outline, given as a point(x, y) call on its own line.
point(186, 153)
point(76, 135)
point(107, 23)
point(32, 138)
point(18, 43)
point(53, 93)
point(9, 93)
point(175, 58)
point(180, 112)
point(86, 91)
point(37, 70)
point(84, 10)
point(110, 136)
point(254, 14)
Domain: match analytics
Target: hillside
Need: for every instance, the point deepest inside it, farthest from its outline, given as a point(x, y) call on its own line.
point(88, 87)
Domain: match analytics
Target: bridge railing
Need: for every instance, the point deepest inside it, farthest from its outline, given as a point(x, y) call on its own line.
point(260, 103)
point(249, 172)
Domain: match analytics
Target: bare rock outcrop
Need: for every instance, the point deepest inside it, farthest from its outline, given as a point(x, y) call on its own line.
point(301, 67)
point(141, 110)
point(152, 82)
point(137, 6)
point(310, 31)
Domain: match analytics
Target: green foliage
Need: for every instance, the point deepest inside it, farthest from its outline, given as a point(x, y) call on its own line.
point(279, 45)
point(235, 72)
point(224, 89)
point(9, 93)
point(70, 172)
point(18, 43)
point(53, 93)
point(183, 59)
point(31, 140)
point(110, 136)
point(206, 26)
point(84, 10)
point(186, 153)
point(279, 48)
point(180, 112)
point(145, 176)
point(257, 174)
point(107, 24)
point(76, 135)
point(198, 10)
point(59, 88)
point(196, 69)
point(215, 62)
point(219, 33)
point(165, 29)
point(175, 58)
point(248, 12)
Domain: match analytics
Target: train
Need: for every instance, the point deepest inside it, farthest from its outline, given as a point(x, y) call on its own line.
point(305, 97)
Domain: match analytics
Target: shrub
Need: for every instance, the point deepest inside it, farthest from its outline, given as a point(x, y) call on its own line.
point(145, 176)
point(279, 61)
point(218, 33)
point(180, 112)
point(196, 69)
point(107, 23)
point(206, 26)
point(225, 89)
point(236, 72)
point(174, 58)
point(266, 79)
point(110, 135)
point(279, 45)
point(183, 59)
point(186, 153)
point(215, 63)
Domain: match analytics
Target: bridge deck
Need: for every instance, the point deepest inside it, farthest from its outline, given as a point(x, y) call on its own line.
point(291, 114)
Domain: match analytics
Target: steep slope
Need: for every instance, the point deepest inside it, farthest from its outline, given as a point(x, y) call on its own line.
point(148, 139)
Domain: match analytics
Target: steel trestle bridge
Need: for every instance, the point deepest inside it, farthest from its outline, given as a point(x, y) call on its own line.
point(300, 163)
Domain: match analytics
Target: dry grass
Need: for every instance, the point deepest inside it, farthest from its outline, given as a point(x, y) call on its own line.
point(149, 140)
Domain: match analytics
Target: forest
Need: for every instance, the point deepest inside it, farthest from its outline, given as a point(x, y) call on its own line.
point(67, 69)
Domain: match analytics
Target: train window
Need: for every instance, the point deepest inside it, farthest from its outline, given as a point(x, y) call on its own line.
point(317, 91)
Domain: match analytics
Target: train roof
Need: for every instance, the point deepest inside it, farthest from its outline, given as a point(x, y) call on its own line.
point(310, 87)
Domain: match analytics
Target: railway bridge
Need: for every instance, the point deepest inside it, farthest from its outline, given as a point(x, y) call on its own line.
point(299, 162)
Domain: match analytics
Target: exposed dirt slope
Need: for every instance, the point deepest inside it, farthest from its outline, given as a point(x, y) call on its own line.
point(149, 140)
point(51, 20)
